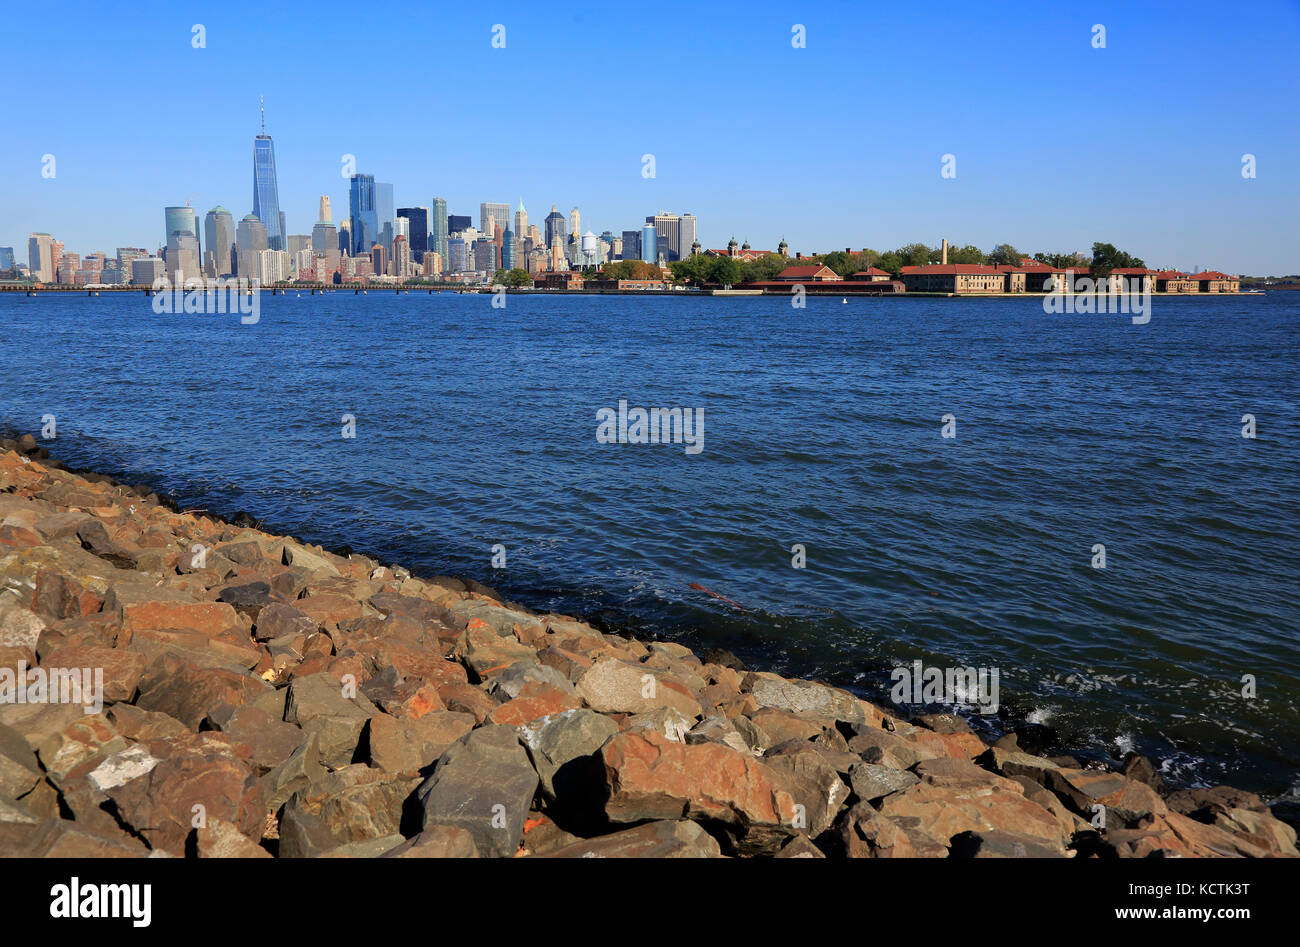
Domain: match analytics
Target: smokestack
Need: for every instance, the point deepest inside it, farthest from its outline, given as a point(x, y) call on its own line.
point(944, 251)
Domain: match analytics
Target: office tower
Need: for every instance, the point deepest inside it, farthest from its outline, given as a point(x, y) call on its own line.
point(364, 221)
point(489, 228)
point(575, 223)
point(499, 214)
point(417, 219)
point(180, 220)
point(40, 257)
point(379, 259)
point(521, 221)
point(325, 209)
point(485, 255)
point(386, 215)
point(555, 227)
point(456, 262)
point(686, 234)
point(345, 237)
point(219, 238)
point(297, 242)
point(649, 243)
point(432, 264)
point(667, 230)
point(438, 230)
point(324, 237)
point(458, 223)
point(508, 257)
point(266, 192)
point(183, 258)
point(272, 266)
point(250, 240)
point(631, 244)
point(7, 260)
point(145, 271)
point(401, 256)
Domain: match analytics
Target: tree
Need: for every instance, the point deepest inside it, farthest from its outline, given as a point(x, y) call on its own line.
point(1059, 261)
point(726, 271)
point(1106, 257)
point(1004, 254)
point(914, 254)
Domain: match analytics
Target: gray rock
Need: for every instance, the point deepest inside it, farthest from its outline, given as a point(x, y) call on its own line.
point(871, 781)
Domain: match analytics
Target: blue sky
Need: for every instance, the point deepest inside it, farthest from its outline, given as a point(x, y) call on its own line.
point(835, 145)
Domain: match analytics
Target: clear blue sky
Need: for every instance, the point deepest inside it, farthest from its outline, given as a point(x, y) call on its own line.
point(1057, 144)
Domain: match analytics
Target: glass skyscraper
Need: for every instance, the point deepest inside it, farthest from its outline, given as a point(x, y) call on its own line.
point(438, 230)
point(266, 192)
point(418, 232)
point(386, 215)
point(361, 213)
point(649, 244)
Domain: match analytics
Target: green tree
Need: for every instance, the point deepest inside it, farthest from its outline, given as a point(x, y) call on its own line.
point(726, 271)
point(1106, 257)
point(1004, 254)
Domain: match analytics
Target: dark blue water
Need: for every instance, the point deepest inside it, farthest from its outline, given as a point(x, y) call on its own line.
point(476, 426)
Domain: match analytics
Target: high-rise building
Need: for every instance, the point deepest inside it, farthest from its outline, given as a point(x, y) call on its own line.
point(325, 209)
point(521, 221)
point(386, 214)
point(485, 255)
point(40, 257)
point(667, 231)
point(418, 230)
point(7, 261)
point(432, 264)
point(266, 191)
point(401, 256)
point(324, 238)
point(555, 227)
point(250, 241)
point(181, 220)
point(362, 214)
point(575, 223)
point(145, 271)
point(457, 261)
point(345, 236)
point(183, 262)
point(508, 258)
point(297, 242)
point(219, 238)
point(649, 243)
point(499, 214)
point(631, 245)
point(686, 234)
point(438, 231)
point(379, 259)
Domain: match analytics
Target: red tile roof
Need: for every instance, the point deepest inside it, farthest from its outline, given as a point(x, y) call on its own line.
point(1211, 274)
point(805, 272)
point(871, 271)
point(1169, 274)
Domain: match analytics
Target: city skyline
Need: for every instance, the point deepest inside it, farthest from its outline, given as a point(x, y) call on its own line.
point(1113, 143)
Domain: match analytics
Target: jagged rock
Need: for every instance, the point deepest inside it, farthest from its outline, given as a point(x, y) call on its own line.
point(353, 805)
point(871, 781)
point(800, 847)
point(221, 839)
point(816, 788)
point(409, 745)
point(563, 750)
point(484, 784)
point(437, 841)
point(803, 698)
point(677, 839)
point(534, 702)
point(299, 771)
point(186, 692)
point(718, 729)
point(613, 686)
point(993, 844)
point(19, 771)
point(60, 839)
point(651, 777)
point(270, 740)
point(121, 669)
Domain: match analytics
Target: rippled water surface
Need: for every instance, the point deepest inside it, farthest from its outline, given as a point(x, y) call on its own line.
point(476, 426)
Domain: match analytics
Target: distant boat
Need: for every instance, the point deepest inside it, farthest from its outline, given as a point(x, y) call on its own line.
point(844, 301)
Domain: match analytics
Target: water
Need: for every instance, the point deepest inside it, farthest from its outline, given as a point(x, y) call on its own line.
point(476, 426)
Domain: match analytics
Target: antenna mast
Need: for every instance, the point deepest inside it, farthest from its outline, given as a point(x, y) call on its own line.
point(261, 104)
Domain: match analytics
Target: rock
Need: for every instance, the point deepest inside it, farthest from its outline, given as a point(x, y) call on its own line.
point(19, 770)
point(299, 771)
point(270, 740)
point(278, 620)
point(1204, 804)
point(718, 729)
point(866, 833)
point(723, 657)
point(613, 686)
point(484, 784)
point(651, 777)
point(944, 723)
point(318, 705)
point(800, 847)
point(676, 839)
point(666, 721)
point(410, 745)
point(1261, 829)
point(437, 841)
point(1081, 789)
point(943, 811)
point(192, 772)
point(186, 692)
point(995, 844)
point(220, 839)
point(803, 698)
point(536, 701)
point(514, 680)
point(119, 768)
point(366, 848)
point(486, 653)
point(247, 598)
point(563, 749)
point(60, 839)
point(355, 804)
point(813, 783)
point(19, 627)
point(1138, 767)
point(871, 781)
point(121, 669)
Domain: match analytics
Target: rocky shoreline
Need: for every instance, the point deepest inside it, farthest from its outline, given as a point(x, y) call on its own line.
point(248, 695)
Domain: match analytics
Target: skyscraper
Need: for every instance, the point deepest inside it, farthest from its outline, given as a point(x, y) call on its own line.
point(521, 221)
point(554, 227)
point(325, 209)
point(418, 230)
point(631, 245)
point(266, 192)
point(364, 221)
point(219, 237)
point(7, 261)
point(180, 220)
point(686, 235)
point(438, 229)
point(386, 214)
point(508, 260)
point(667, 232)
point(250, 240)
point(500, 214)
point(40, 257)
point(649, 244)
point(575, 223)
